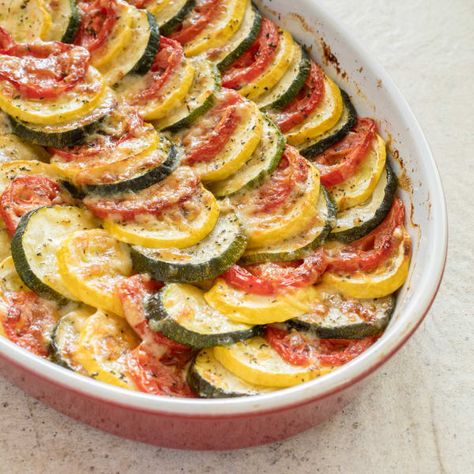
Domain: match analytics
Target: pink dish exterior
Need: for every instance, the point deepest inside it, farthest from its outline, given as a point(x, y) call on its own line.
point(237, 423)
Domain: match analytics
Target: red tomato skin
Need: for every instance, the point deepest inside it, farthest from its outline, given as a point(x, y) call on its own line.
point(301, 349)
point(214, 140)
point(41, 70)
point(369, 252)
point(305, 103)
point(26, 319)
point(272, 278)
point(292, 169)
point(169, 56)
point(203, 13)
point(342, 160)
point(26, 193)
point(97, 22)
point(253, 62)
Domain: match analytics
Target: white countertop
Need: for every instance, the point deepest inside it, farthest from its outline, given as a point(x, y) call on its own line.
point(416, 415)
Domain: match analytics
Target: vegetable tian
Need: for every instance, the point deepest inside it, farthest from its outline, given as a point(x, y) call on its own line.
point(189, 205)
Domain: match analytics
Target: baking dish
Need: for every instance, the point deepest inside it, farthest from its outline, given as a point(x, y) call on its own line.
point(233, 423)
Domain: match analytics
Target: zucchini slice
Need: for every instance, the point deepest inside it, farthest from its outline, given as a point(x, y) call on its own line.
point(210, 379)
point(201, 97)
point(348, 120)
point(68, 133)
point(238, 149)
point(74, 103)
point(256, 362)
point(273, 74)
point(91, 263)
point(360, 186)
point(248, 308)
point(145, 62)
point(357, 221)
point(381, 282)
point(138, 174)
point(290, 84)
point(240, 42)
point(283, 222)
point(172, 14)
point(203, 261)
point(263, 162)
point(177, 227)
point(337, 317)
point(326, 116)
point(220, 29)
point(26, 20)
point(12, 149)
point(137, 55)
point(103, 346)
point(172, 94)
point(38, 236)
point(180, 312)
point(304, 243)
point(65, 20)
point(66, 338)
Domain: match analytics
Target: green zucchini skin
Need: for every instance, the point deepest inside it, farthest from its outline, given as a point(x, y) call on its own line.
point(244, 44)
point(337, 133)
point(297, 254)
point(148, 261)
point(161, 321)
point(173, 23)
point(295, 86)
point(140, 182)
point(22, 266)
point(209, 387)
point(349, 330)
point(359, 231)
point(73, 25)
point(146, 61)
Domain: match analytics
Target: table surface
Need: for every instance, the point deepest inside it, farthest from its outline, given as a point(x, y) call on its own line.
point(415, 415)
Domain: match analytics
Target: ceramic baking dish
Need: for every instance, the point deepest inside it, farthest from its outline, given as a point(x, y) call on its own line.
point(235, 423)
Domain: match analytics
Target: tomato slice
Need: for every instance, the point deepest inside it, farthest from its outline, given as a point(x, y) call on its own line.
point(305, 103)
point(256, 59)
point(169, 56)
point(97, 21)
point(210, 136)
point(26, 193)
point(203, 13)
point(304, 349)
point(154, 200)
point(41, 70)
point(272, 278)
point(368, 253)
point(341, 161)
point(131, 126)
point(152, 375)
point(28, 321)
point(292, 170)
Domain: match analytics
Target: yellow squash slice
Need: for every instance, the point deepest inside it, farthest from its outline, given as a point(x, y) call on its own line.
point(25, 20)
point(219, 30)
point(269, 78)
point(359, 187)
point(322, 119)
point(13, 169)
point(247, 308)
point(91, 263)
point(12, 148)
point(385, 280)
point(256, 362)
point(180, 226)
point(282, 222)
point(103, 346)
point(76, 102)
